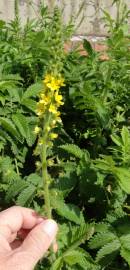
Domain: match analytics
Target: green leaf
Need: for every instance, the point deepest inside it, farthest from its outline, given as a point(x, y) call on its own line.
point(125, 254)
point(14, 189)
point(32, 91)
point(125, 135)
point(30, 104)
point(101, 239)
point(57, 265)
point(81, 234)
point(123, 177)
point(34, 179)
point(116, 139)
point(125, 241)
point(73, 257)
point(73, 150)
point(87, 46)
point(9, 127)
point(26, 196)
point(21, 123)
point(70, 212)
point(108, 252)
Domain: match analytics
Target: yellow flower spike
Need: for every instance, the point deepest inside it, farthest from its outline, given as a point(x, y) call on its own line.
point(41, 101)
point(48, 78)
point(58, 98)
point(53, 86)
point(53, 109)
point(53, 83)
point(61, 82)
point(37, 130)
point(53, 136)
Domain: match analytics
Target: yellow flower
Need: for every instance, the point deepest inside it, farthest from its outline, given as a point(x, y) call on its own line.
point(53, 83)
point(53, 136)
point(41, 107)
point(58, 98)
point(52, 109)
point(37, 130)
point(61, 82)
point(44, 99)
point(39, 112)
point(41, 101)
point(48, 78)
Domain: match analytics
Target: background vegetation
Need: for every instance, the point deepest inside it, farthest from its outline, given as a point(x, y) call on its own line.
point(89, 162)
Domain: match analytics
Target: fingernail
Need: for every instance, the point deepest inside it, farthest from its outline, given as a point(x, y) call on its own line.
point(50, 227)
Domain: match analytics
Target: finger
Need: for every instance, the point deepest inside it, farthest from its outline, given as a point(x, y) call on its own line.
point(55, 246)
point(39, 240)
point(15, 218)
point(12, 237)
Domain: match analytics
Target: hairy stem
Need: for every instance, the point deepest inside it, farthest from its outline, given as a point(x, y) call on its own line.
point(46, 182)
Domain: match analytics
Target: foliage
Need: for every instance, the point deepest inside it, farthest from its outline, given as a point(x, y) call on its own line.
point(88, 163)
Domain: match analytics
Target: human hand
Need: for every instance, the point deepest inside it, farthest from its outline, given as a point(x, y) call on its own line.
point(35, 237)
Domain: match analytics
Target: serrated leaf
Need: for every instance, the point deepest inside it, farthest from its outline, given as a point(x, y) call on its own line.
point(26, 195)
point(81, 234)
point(9, 127)
point(34, 179)
point(101, 239)
point(123, 177)
point(108, 252)
point(29, 103)
point(75, 257)
point(73, 150)
point(32, 90)
point(57, 265)
point(125, 241)
point(14, 189)
point(21, 123)
point(116, 139)
point(70, 212)
point(125, 254)
point(125, 135)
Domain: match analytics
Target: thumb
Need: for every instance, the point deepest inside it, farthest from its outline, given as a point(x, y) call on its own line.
point(39, 240)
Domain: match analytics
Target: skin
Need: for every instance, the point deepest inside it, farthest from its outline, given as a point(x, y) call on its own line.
point(24, 238)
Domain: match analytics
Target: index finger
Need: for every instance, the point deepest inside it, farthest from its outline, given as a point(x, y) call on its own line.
point(15, 218)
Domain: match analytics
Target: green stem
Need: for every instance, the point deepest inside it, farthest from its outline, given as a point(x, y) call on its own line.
point(46, 181)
